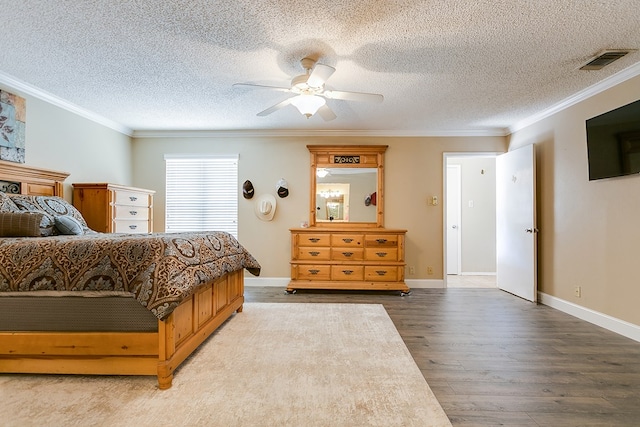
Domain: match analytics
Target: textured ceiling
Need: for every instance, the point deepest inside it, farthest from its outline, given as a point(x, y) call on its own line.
point(442, 66)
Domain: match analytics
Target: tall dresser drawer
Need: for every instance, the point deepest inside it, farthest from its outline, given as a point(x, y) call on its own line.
point(381, 273)
point(312, 272)
point(314, 239)
point(381, 254)
point(347, 254)
point(131, 226)
point(311, 254)
point(347, 272)
point(347, 240)
point(131, 212)
point(381, 240)
point(131, 198)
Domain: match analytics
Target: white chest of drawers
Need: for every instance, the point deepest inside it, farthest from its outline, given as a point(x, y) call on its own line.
point(113, 208)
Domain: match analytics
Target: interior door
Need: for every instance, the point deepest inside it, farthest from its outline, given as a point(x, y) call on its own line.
point(516, 232)
point(453, 219)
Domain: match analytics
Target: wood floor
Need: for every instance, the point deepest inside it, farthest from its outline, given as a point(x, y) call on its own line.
point(493, 359)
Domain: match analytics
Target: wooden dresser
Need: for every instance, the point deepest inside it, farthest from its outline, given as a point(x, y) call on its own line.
point(347, 258)
point(112, 208)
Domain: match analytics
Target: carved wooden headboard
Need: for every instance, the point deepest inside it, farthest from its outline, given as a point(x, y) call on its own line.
point(22, 179)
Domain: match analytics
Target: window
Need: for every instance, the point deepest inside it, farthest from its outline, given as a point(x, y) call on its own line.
point(201, 193)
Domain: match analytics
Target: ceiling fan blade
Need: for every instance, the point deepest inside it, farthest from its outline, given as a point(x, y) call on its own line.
point(320, 75)
point(353, 96)
point(275, 108)
point(279, 88)
point(326, 113)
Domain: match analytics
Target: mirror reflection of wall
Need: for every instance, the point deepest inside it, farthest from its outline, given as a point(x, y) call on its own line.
point(332, 202)
point(356, 184)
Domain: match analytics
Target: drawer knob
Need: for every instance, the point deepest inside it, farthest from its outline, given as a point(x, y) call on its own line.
point(314, 253)
point(133, 212)
point(347, 254)
point(133, 198)
point(381, 241)
point(347, 272)
point(381, 254)
point(133, 226)
point(314, 239)
point(314, 272)
point(381, 272)
point(347, 240)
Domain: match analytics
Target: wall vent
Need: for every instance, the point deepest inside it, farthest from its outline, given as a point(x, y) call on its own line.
point(605, 58)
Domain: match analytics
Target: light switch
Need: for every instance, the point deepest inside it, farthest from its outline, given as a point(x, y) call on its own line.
point(470, 203)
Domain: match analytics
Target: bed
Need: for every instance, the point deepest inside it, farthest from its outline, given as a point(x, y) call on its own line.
point(73, 301)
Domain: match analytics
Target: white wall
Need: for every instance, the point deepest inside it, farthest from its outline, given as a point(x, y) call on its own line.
point(413, 174)
point(589, 230)
point(61, 140)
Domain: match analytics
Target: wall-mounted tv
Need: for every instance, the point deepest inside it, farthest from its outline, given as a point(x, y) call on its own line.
point(613, 142)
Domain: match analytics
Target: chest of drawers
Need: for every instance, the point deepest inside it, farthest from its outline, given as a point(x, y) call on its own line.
point(112, 208)
point(362, 259)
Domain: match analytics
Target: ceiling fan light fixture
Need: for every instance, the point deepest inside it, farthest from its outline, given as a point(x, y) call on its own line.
point(308, 105)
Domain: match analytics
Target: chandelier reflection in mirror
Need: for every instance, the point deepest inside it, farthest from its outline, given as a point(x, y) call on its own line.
point(330, 194)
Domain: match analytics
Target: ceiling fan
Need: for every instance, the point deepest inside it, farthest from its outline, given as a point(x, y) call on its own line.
point(310, 92)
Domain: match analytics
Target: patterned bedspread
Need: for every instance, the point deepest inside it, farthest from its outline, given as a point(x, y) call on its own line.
point(160, 270)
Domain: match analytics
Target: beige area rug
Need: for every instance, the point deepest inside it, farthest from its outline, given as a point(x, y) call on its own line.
point(271, 365)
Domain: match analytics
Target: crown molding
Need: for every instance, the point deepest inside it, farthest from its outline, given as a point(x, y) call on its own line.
point(25, 88)
point(260, 133)
point(584, 94)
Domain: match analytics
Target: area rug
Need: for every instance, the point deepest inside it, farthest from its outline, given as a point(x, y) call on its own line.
point(271, 365)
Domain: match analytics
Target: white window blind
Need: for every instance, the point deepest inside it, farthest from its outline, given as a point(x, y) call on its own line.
point(201, 193)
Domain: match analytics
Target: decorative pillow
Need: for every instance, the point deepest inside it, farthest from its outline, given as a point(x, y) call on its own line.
point(66, 224)
point(6, 204)
point(52, 206)
point(20, 224)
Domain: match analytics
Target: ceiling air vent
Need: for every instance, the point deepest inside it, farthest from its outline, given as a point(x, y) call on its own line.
point(604, 59)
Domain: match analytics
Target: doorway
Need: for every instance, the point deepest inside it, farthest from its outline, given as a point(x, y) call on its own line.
point(470, 220)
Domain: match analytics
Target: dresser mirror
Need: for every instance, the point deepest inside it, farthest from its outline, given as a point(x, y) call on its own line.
point(346, 185)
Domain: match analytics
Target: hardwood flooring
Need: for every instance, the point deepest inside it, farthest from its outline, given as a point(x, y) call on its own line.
point(494, 359)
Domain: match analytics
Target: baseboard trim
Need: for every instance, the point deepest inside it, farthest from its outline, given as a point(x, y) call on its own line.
point(613, 324)
point(283, 282)
point(276, 282)
point(425, 283)
point(478, 273)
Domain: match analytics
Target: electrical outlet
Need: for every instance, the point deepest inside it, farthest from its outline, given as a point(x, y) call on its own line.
point(429, 270)
point(412, 270)
point(577, 291)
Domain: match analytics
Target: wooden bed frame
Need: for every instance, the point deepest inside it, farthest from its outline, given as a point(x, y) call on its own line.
point(116, 353)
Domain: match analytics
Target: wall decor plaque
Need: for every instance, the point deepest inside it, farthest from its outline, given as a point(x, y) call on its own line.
point(13, 112)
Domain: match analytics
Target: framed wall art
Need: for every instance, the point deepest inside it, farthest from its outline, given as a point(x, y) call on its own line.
point(13, 112)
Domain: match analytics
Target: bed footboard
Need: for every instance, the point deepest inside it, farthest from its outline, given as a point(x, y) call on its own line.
point(128, 353)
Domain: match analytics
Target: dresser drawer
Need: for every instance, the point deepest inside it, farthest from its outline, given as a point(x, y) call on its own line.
point(318, 254)
point(131, 226)
point(381, 240)
point(347, 272)
point(131, 198)
point(381, 254)
point(314, 239)
point(131, 212)
point(347, 240)
point(312, 272)
point(381, 273)
point(346, 254)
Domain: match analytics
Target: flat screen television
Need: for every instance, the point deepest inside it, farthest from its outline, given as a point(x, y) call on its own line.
point(613, 142)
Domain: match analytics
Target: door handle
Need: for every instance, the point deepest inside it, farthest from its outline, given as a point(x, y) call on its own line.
point(454, 226)
point(531, 230)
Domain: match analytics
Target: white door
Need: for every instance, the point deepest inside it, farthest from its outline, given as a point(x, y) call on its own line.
point(516, 230)
point(453, 219)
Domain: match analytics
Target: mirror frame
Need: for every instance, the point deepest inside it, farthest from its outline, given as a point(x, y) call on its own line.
point(347, 156)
